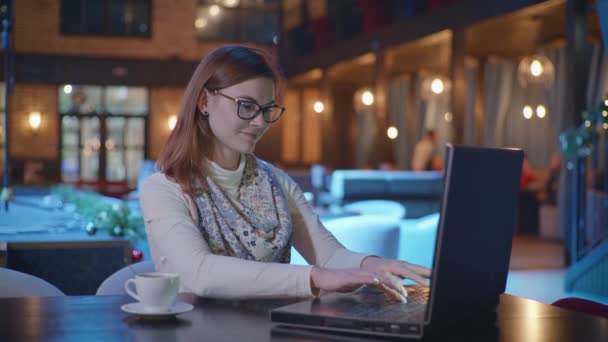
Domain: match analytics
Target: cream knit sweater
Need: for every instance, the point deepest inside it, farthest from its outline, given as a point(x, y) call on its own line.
point(177, 246)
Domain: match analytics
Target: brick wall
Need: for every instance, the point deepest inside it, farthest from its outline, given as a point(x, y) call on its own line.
point(38, 30)
point(25, 143)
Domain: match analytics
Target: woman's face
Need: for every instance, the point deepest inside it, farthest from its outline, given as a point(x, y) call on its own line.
point(234, 135)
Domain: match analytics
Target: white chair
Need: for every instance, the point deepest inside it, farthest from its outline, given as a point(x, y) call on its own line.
point(417, 240)
point(114, 284)
point(386, 208)
point(17, 284)
point(377, 235)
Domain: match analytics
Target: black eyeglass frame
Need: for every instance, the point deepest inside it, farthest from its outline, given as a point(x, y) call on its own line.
point(258, 111)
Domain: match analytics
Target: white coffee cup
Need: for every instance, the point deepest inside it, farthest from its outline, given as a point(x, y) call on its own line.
point(155, 290)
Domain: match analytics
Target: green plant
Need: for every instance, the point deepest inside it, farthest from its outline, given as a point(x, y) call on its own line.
point(115, 218)
point(577, 142)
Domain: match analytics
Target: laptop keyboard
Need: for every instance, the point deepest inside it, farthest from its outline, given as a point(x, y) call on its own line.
point(370, 302)
point(418, 294)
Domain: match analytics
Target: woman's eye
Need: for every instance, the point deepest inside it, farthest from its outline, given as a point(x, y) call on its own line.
point(248, 106)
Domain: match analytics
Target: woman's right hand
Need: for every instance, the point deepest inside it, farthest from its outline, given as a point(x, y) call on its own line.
point(341, 280)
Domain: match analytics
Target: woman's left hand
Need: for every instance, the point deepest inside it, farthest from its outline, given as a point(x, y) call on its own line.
point(392, 272)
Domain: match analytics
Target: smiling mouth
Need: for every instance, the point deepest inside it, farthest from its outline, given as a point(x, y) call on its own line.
point(250, 135)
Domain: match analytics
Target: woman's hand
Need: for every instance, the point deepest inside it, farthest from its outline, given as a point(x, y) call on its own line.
point(340, 280)
point(392, 272)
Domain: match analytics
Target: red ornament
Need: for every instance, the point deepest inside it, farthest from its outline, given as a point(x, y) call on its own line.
point(137, 255)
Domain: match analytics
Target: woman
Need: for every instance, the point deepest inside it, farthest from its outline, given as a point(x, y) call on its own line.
point(223, 219)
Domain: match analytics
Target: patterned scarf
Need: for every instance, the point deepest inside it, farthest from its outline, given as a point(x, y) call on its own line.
point(257, 226)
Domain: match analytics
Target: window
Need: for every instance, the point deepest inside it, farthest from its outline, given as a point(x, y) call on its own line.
point(129, 18)
point(238, 20)
point(114, 115)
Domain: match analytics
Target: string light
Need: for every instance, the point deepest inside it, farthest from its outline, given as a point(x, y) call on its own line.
point(448, 116)
point(541, 111)
point(527, 112)
point(437, 86)
point(200, 23)
point(392, 132)
point(172, 121)
point(318, 107)
point(214, 10)
point(536, 68)
point(367, 98)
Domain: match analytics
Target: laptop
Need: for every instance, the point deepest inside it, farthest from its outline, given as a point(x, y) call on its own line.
point(470, 263)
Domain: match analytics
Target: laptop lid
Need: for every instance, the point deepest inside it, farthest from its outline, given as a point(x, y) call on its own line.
point(476, 226)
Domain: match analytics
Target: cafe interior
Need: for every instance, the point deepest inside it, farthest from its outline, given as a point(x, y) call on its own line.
point(91, 91)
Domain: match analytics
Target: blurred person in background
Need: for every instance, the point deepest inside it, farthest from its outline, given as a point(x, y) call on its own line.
point(424, 152)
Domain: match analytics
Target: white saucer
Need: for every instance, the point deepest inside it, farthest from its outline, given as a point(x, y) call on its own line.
point(137, 308)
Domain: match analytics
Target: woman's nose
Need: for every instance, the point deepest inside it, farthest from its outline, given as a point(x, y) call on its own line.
point(259, 120)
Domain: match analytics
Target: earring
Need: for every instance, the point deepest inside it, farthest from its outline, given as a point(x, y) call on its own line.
point(205, 113)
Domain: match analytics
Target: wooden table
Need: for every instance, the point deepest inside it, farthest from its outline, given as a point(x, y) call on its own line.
point(99, 318)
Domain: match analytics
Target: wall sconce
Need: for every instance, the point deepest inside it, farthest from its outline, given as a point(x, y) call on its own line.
point(172, 121)
point(35, 119)
point(318, 107)
point(392, 132)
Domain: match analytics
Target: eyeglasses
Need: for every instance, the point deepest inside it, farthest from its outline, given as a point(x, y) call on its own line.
point(248, 110)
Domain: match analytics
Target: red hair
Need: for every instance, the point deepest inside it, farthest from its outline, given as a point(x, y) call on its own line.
point(190, 144)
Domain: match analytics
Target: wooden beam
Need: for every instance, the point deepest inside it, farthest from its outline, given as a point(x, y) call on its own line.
point(480, 114)
point(383, 145)
point(458, 90)
point(578, 52)
point(328, 145)
point(412, 116)
point(302, 113)
point(342, 120)
point(461, 14)
point(51, 69)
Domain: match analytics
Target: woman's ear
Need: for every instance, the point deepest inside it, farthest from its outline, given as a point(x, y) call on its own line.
point(202, 101)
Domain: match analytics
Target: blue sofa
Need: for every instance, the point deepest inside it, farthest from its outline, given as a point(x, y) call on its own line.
point(419, 191)
point(412, 240)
